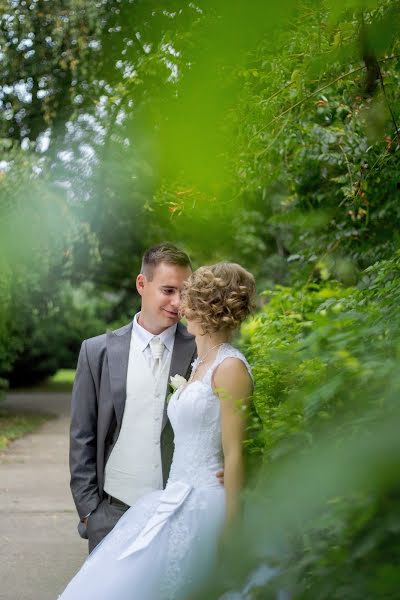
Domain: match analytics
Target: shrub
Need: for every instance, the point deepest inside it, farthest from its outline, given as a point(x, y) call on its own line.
point(325, 359)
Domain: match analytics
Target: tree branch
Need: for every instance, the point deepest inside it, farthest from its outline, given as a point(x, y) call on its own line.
point(300, 102)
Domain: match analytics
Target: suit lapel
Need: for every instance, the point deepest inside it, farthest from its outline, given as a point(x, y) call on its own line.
point(182, 356)
point(118, 343)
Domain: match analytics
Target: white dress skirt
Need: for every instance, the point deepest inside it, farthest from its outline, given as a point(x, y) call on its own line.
point(165, 545)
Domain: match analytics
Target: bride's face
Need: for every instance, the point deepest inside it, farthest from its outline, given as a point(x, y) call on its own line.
point(194, 327)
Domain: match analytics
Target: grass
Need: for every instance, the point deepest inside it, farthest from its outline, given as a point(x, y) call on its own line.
point(14, 425)
point(62, 381)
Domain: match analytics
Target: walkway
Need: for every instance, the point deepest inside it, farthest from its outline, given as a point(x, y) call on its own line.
point(40, 548)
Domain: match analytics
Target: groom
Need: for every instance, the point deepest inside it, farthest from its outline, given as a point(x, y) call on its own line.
point(121, 441)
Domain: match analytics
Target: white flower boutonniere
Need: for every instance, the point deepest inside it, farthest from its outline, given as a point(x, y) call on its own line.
point(175, 382)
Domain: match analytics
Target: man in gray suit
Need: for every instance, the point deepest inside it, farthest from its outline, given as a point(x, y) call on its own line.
point(121, 442)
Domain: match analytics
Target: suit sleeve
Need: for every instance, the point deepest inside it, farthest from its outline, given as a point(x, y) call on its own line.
point(83, 438)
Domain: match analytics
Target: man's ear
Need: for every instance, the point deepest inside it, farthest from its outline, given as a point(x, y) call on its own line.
point(140, 283)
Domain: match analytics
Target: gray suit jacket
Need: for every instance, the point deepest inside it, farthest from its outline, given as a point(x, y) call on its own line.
point(98, 402)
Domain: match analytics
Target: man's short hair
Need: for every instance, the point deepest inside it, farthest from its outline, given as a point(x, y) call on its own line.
point(163, 253)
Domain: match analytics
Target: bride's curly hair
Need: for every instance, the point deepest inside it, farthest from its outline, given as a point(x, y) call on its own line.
point(220, 296)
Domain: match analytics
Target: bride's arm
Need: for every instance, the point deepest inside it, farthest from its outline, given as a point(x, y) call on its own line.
point(234, 387)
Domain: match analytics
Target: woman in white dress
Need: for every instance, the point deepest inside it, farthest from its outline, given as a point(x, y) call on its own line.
point(165, 545)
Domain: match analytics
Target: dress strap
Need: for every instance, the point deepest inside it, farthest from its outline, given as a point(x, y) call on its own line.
point(225, 351)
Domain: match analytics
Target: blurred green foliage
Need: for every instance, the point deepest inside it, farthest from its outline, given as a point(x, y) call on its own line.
point(37, 234)
point(50, 339)
point(310, 169)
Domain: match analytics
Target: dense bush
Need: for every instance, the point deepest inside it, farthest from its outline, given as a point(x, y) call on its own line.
point(325, 360)
point(313, 346)
point(38, 233)
point(54, 335)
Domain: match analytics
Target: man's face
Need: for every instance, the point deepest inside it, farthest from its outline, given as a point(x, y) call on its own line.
point(161, 296)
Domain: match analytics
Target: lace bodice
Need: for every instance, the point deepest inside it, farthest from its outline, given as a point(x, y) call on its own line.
point(194, 412)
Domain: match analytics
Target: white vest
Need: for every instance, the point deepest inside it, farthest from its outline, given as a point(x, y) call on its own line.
point(134, 466)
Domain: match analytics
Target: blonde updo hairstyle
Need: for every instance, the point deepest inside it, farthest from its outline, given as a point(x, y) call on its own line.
point(220, 296)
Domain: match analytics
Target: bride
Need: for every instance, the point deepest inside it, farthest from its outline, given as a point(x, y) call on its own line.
point(165, 545)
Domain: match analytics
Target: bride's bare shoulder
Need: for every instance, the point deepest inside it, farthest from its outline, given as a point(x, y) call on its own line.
point(232, 374)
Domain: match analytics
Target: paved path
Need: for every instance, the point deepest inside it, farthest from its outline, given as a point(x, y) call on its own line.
point(40, 548)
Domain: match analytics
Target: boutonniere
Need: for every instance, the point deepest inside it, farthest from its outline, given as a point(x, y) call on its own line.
point(175, 381)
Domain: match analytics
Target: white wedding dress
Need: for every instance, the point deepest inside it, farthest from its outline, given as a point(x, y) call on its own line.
point(166, 544)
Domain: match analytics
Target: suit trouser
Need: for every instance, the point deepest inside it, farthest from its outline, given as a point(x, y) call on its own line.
point(102, 520)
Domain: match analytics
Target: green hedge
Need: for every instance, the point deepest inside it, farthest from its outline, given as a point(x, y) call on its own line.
point(324, 507)
point(321, 351)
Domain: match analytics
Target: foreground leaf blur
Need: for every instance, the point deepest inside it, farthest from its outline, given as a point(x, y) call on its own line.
point(263, 133)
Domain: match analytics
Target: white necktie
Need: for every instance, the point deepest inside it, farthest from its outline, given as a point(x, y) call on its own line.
point(157, 351)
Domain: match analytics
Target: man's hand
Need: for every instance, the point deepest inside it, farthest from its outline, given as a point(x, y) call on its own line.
point(220, 476)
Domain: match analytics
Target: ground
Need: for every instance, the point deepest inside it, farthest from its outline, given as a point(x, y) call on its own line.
point(40, 546)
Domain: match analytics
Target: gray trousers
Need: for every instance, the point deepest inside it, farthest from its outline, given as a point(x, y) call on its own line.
point(102, 520)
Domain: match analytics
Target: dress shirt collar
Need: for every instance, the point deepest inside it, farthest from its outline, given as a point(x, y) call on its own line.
point(143, 336)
